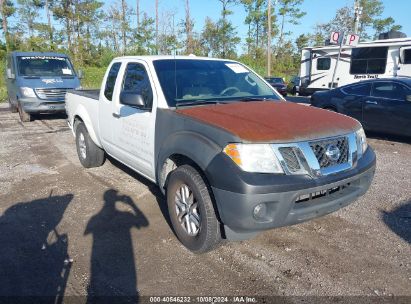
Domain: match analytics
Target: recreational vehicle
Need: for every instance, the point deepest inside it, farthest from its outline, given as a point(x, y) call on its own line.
point(367, 60)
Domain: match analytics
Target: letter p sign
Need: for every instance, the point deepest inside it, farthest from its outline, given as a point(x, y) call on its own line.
point(352, 40)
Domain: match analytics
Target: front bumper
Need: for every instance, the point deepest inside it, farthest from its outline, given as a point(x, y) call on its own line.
point(283, 195)
point(35, 105)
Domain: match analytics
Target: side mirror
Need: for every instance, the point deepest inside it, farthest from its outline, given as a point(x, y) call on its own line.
point(408, 98)
point(10, 75)
point(132, 99)
point(80, 74)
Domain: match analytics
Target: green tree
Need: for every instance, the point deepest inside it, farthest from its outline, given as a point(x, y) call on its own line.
point(7, 10)
point(288, 12)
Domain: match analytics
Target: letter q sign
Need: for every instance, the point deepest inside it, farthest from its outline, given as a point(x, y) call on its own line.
point(336, 37)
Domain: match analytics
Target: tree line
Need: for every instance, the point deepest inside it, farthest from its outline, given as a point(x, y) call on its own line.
point(93, 33)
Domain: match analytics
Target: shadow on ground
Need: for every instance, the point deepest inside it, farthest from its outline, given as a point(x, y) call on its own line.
point(399, 221)
point(33, 254)
point(112, 266)
point(389, 137)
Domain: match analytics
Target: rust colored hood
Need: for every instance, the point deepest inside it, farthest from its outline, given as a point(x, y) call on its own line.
point(268, 121)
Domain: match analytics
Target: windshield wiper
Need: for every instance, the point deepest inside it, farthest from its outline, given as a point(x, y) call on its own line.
point(31, 77)
point(249, 98)
point(199, 102)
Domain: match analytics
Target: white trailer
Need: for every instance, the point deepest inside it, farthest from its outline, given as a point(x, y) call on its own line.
point(367, 60)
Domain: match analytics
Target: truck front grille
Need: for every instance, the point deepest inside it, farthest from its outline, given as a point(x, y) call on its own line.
point(290, 159)
point(51, 94)
point(320, 148)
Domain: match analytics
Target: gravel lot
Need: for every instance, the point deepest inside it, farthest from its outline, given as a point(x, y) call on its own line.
point(65, 230)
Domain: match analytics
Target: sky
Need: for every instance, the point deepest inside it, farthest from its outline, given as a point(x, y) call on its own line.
point(318, 11)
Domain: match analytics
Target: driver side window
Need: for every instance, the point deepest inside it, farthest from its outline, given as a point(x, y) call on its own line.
point(136, 81)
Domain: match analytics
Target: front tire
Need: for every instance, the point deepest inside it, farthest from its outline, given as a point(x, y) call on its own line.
point(89, 154)
point(191, 210)
point(24, 116)
point(12, 107)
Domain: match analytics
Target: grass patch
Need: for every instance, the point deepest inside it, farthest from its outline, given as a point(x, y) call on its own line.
point(93, 77)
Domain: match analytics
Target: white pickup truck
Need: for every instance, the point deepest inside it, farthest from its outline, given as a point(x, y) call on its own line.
point(232, 157)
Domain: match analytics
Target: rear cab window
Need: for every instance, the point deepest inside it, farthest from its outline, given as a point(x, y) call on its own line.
point(111, 80)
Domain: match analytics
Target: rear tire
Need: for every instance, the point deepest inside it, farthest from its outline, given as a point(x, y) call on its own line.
point(89, 154)
point(192, 211)
point(24, 116)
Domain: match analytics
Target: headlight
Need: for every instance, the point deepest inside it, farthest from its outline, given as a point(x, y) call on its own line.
point(361, 141)
point(27, 92)
point(258, 158)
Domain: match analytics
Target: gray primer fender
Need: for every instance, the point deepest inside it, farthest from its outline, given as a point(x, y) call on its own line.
point(178, 134)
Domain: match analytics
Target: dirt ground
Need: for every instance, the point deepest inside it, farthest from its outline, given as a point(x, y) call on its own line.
point(65, 230)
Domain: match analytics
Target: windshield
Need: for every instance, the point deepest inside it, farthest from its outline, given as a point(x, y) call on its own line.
point(44, 66)
point(190, 81)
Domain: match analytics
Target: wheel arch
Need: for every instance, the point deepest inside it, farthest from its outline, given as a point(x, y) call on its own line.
point(82, 115)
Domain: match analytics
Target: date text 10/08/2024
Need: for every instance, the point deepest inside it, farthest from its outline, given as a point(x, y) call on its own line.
point(176, 299)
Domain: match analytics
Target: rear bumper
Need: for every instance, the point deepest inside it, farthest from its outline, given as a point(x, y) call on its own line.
point(283, 202)
point(35, 105)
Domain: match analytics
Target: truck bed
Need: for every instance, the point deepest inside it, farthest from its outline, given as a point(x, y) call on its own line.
point(93, 94)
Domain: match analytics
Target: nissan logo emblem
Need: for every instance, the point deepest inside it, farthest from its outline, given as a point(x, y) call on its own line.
point(333, 153)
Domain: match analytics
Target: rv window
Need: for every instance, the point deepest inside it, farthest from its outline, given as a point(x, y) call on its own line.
point(407, 56)
point(359, 90)
point(368, 60)
point(323, 63)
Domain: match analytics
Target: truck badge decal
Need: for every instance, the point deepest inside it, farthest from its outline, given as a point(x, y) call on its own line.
point(52, 81)
point(333, 153)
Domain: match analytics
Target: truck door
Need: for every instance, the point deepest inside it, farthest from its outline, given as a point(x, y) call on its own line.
point(107, 106)
point(134, 126)
point(404, 66)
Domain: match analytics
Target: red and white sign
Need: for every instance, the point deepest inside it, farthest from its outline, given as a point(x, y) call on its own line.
point(352, 40)
point(336, 37)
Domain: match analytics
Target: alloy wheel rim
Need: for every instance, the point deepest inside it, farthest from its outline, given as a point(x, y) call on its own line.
point(82, 146)
point(186, 207)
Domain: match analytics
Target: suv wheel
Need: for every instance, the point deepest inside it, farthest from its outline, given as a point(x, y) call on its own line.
point(191, 210)
point(89, 154)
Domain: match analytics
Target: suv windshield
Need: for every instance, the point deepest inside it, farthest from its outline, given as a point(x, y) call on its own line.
point(191, 81)
point(44, 66)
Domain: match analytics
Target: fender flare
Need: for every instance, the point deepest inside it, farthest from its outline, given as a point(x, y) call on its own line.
point(82, 113)
point(201, 150)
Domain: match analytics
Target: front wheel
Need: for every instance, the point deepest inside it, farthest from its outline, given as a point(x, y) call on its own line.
point(89, 154)
point(24, 116)
point(191, 210)
point(12, 107)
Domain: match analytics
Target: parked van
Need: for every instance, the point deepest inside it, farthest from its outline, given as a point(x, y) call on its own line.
point(38, 82)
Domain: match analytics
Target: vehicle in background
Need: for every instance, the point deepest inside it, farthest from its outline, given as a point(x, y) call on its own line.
point(382, 105)
point(368, 60)
point(231, 157)
point(37, 82)
point(278, 83)
point(293, 86)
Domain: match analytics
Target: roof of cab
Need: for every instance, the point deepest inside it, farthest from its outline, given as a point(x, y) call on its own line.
point(151, 58)
point(51, 54)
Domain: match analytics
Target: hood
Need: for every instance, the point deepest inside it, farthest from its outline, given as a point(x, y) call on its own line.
point(49, 82)
point(275, 122)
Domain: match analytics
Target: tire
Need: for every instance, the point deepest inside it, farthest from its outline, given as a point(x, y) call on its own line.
point(24, 116)
point(12, 107)
point(205, 235)
point(294, 91)
point(89, 154)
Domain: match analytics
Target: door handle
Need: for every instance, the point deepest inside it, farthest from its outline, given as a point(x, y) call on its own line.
point(371, 102)
point(115, 115)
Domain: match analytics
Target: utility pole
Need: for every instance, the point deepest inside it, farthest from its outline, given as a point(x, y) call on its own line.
point(269, 39)
point(138, 14)
point(156, 27)
point(357, 15)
